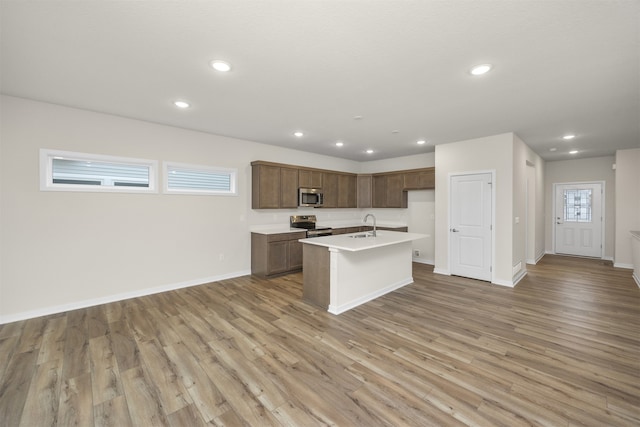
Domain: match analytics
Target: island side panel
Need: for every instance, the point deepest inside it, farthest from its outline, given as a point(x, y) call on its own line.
point(362, 276)
point(315, 271)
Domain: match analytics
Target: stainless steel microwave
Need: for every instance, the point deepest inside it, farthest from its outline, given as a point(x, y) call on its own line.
point(310, 197)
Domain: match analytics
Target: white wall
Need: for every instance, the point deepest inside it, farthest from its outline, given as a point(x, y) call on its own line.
point(493, 153)
point(63, 248)
point(421, 209)
point(627, 204)
point(582, 170)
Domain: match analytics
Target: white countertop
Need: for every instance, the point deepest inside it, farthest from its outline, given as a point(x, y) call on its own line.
point(278, 229)
point(345, 243)
point(275, 229)
point(356, 223)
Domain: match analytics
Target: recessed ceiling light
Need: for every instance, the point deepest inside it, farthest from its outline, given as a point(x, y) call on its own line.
point(553, 149)
point(221, 66)
point(357, 117)
point(421, 142)
point(480, 69)
point(395, 131)
point(570, 136)
point(298, 134)
point(369, 151)
point(181, 104)
point(339, 144)
point(573, 152)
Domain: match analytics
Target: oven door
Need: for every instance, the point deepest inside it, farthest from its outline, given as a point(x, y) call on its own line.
point(319, 233)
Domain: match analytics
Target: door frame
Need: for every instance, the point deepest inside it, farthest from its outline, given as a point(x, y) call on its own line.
point(493, 216)
point(602, 210)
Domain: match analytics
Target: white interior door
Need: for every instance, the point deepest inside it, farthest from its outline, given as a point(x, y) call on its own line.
point(578, 221)
point(471, 221)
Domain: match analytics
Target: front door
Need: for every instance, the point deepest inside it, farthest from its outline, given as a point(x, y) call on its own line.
point(471, 226)
point(578, 219)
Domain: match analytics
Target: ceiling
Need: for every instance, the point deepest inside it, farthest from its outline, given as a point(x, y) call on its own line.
point(376, 75)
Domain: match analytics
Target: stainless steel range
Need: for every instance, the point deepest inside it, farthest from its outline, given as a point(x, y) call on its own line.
point(308, 222)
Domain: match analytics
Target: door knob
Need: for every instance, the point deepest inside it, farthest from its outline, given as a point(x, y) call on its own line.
point(454, 230)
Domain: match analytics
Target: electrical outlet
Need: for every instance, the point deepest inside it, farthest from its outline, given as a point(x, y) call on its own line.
point(416, 253)
point(221, 257)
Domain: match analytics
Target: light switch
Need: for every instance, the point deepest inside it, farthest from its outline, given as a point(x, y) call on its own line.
point(517, 220)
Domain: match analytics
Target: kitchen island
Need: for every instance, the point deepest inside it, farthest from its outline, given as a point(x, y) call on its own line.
point(344, 271)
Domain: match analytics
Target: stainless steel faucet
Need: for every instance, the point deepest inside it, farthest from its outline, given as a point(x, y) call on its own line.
point(374, 222)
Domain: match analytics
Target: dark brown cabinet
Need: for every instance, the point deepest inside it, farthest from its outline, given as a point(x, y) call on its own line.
point(396, 197)
point(347, 191)
point(288, 188)
point(388, 191)
point(330, 190)
point(364, 188)
point(273, 186)
point(308, 178)
point(274, 254)
point(422, 179)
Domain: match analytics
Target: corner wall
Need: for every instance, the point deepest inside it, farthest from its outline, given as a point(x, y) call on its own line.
point(493, 153)
point(627, 204)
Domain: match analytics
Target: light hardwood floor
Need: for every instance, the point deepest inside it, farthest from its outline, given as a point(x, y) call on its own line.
point(561, 349)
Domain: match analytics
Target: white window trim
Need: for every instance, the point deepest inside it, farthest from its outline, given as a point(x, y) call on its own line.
point(46, 172)
point(232, 172)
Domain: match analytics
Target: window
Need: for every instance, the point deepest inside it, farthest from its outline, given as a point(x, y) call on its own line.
point(193, 179)
point(577, 205)
point(69, 171)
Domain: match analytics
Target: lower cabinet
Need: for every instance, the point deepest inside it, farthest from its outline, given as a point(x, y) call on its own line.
point(275, 254)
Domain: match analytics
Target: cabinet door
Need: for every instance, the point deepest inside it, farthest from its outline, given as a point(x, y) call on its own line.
point(309, 179)
point(363, 191)
point(420, 180)
point(295, 255)
point(266, 187)
point(347, 191)
point(330, 190)
point(288, 188)
point(395, 195)
point(278, 257)
point(380, 191)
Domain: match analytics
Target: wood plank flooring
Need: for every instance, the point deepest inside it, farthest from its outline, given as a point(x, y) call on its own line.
point(560, 349)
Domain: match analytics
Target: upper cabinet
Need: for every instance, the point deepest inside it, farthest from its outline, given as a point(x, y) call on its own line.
point(308, 178)
point(363, 191)
point(420, 179)
point(388, 191)
point(347, 191)
point(275, 186)
point(330, 190)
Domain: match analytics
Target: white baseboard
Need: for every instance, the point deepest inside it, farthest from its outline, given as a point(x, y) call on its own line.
point(423, 261)
point(607, 258)
point(333, 309)
point(441, 271)
point(636, 278)
point(506, 283)
point(116, 297)
point(621, 265)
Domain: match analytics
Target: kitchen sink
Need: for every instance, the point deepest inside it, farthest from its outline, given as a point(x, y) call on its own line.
point(361, 236)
